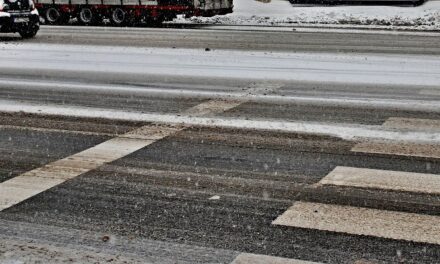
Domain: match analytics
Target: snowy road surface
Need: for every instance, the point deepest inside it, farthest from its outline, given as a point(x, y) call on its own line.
point(290, 39)
point(140, 146)
point(251, 65)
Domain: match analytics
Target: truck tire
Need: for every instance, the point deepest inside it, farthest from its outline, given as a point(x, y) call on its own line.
point(52, 16)
point(86, 16)
point(118, 17)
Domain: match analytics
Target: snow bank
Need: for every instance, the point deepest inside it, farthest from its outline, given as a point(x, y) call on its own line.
point(281, 12)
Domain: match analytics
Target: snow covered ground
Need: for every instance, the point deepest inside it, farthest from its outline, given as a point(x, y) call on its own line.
point(281, 12)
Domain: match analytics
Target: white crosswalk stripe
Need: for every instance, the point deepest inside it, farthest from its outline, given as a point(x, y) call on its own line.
point(373, 222)
point(362, 221)
point(31, 183)
point(412, 124)
point(399, 148)
point(246, 258)
point(26, 185)
point(383, 179)
point(429, 150)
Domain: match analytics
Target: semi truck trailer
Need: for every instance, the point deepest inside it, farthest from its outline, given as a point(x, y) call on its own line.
point(127, 12)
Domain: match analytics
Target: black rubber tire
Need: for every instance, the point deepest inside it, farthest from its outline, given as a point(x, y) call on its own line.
point(86, 16)
point(118, 17)
point(52, 16)
point(29, 32)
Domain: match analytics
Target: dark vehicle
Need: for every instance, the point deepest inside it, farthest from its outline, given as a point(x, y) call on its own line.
point(19, 16)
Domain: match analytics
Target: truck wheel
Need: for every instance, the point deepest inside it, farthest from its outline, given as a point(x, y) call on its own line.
point(52, 16)
point(86, 16)
point(118, 17)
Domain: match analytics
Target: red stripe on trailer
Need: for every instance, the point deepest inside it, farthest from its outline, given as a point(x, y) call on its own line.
point(156, 8)
point(168, 7)
point(65, 8)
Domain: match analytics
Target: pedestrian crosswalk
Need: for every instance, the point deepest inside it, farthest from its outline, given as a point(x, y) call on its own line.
point(383, 179)
point(362, 221)
point(374, 222)
point(412, 124)
point(26, 185)
point(246, 258)
point(31, 183)
point(418, 149)
point(425, 150)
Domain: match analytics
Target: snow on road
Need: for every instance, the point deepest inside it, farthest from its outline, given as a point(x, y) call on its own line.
point(281, 12)
point(340, 130)
point(323, 67)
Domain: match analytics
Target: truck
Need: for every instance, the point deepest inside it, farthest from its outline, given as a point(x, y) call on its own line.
point(19, 16)
point(127, 12)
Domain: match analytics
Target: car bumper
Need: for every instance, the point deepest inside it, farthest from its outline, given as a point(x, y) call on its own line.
point(14, 22)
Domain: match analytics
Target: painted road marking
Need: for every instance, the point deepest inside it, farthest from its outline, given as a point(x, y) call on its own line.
point(373, 222)
point(429, 92)
point(362, 221)
point(152, 132)
point(394, 147)
point(246, 258)
point(19, 251)
point(212, 107)
point(431, 150)
point(383, 179)
point(413, 124)
point(26, 185)
point(344, 131)
point(216, 106)
point(258, 95)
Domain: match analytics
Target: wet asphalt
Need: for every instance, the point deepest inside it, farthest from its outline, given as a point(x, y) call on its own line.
point(205, 194)
point(208, 36)
point(161, 193)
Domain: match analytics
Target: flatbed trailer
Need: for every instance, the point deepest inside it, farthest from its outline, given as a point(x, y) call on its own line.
point(127, 12)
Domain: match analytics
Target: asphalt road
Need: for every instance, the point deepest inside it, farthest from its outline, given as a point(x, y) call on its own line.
point(171, 168)
point(244, 38)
